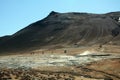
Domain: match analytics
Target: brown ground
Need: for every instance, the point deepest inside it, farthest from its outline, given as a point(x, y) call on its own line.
point(78, 50)
point(101, 70)
point(72, 51)
point(109, 69)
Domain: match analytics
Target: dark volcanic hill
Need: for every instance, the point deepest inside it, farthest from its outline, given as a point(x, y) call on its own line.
point(65, 29)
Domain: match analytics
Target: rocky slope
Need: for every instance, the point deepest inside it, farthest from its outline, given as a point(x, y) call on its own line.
point(65, 30)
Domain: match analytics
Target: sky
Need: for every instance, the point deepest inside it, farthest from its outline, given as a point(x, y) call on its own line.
point(17, 14)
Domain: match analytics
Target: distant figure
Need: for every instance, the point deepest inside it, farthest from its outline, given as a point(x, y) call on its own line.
point(42, 52)
point(100, 46)
point(65, 51)
point(32, 53)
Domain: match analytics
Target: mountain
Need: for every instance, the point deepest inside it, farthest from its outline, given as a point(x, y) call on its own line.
point(65, 30)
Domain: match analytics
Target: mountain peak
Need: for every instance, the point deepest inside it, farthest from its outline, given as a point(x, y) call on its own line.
point(53, 13)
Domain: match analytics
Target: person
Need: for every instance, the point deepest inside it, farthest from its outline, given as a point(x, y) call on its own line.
point(65, 51)
point(100, 46)
point(42, 52)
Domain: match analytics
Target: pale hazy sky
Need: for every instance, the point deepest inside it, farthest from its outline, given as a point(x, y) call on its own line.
point(17, 14)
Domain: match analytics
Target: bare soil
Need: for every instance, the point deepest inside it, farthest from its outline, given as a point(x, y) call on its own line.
point(90, 63)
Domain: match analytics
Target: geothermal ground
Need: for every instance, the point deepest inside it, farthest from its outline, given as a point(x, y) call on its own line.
point(60, 65)
point(38, 60)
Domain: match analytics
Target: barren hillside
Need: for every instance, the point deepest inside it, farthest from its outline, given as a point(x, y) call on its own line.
point(65, 30)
